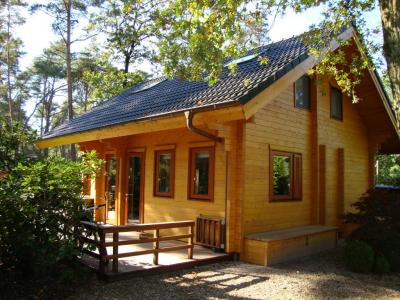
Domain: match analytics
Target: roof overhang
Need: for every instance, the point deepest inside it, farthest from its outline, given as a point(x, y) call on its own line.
point(176, 120)
point(232, 111)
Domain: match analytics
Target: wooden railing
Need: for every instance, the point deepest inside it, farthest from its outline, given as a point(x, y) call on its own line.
point(95, 236)
point(210, 232)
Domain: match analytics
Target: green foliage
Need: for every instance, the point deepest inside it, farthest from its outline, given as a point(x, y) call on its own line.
point(107, 81)
point(281, 174)
point(40, 213)
point(377, 208)
point(15, 144)
point(381, 265)
point(129, 27)
point(358, 256)
point(388, 167)
point(196, 37)
point(378, 214)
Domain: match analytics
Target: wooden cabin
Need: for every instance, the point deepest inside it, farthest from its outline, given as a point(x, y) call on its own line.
point(265, 161)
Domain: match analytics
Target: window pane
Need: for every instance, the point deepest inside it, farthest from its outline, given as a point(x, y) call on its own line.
point(134, 187)
point(111, 183)
point(302, 92)
point(164, 173)
point(281, 175)
point(202, 159)
point(336, 104)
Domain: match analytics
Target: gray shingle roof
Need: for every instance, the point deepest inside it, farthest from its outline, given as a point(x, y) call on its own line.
point(162, 96)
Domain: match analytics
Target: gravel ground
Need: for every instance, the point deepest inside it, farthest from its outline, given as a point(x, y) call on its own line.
point(318, 277)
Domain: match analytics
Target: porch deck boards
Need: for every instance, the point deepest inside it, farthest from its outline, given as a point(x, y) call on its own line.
point(144, 263)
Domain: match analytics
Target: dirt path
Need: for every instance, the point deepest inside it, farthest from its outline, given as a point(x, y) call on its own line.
point(318, 277)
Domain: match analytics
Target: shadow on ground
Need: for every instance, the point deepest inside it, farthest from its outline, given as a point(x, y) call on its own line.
point(318, 277)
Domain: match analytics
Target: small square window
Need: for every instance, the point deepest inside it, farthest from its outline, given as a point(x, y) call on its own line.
point(302, 96)
point(336, 104)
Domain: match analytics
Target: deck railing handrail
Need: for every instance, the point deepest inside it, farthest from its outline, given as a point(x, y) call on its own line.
point(99, 231)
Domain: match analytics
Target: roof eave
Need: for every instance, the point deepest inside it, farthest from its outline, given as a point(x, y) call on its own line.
point(176, 118)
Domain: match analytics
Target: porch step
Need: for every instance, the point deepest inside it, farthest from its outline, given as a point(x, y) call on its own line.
point(272, 247)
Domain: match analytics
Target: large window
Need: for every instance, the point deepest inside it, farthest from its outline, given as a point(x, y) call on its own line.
point(111, 185)
point(336, 104)
point(164, 173)
point(302, 95)
point(285, 176)
point(201, 173)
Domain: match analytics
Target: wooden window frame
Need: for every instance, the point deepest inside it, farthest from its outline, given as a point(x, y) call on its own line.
point(157, 155)
point(331, 99)
point(296, 177)
point(191, 175)
point(309, 94)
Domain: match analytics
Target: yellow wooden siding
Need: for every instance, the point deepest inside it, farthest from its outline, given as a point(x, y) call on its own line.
point(278, 126)
point(180, 207)
point(281, 126)
point(162, 209)
point(351, 135)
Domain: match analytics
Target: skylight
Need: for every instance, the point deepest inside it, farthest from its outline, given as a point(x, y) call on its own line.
point(241, 59)
point(147, 85)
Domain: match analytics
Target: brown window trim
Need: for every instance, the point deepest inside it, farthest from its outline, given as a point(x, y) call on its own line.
point(296, 191)
point(156, 192)
point(330, 103)
point(211, 168)
point(309, 91)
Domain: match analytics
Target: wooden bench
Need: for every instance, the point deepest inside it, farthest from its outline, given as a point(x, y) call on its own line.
point(272, 247)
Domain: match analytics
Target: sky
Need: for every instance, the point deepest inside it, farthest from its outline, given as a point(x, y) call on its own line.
point(37, 33)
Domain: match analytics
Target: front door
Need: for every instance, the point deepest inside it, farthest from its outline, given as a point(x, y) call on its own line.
point(135, 187)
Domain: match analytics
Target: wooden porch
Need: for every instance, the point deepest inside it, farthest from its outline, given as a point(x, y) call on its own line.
point(131, 250)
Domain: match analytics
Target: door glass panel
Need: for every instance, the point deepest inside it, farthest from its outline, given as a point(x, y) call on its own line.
point(202, 159)
point(164, 175)
point(134, 188)
point(281, 175)
point(111, 186)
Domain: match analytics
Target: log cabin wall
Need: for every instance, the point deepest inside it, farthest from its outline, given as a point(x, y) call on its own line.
point(180, 206)
point(277, 126)
point(350, 137)
point(281, 126)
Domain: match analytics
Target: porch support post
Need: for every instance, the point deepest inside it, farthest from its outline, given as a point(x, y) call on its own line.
point(191, 242)
point(122, 172)
point(115, 251)
point(156, 246)
point(314, 141)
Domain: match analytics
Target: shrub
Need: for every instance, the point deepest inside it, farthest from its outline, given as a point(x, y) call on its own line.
point(378, 214)
point(378, 207)
point(40, 213)
point(381, 265)
point(358, 256)
point(391, 249)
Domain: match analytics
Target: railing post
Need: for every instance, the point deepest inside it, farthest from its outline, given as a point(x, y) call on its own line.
point(102, 251)
point(156, 246)
point(190, 249)
point(115, 251)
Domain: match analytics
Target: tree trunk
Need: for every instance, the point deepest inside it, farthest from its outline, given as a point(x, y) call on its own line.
point(69, 72)
point(126, 69)
point(9, 63)
point(390, 16)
